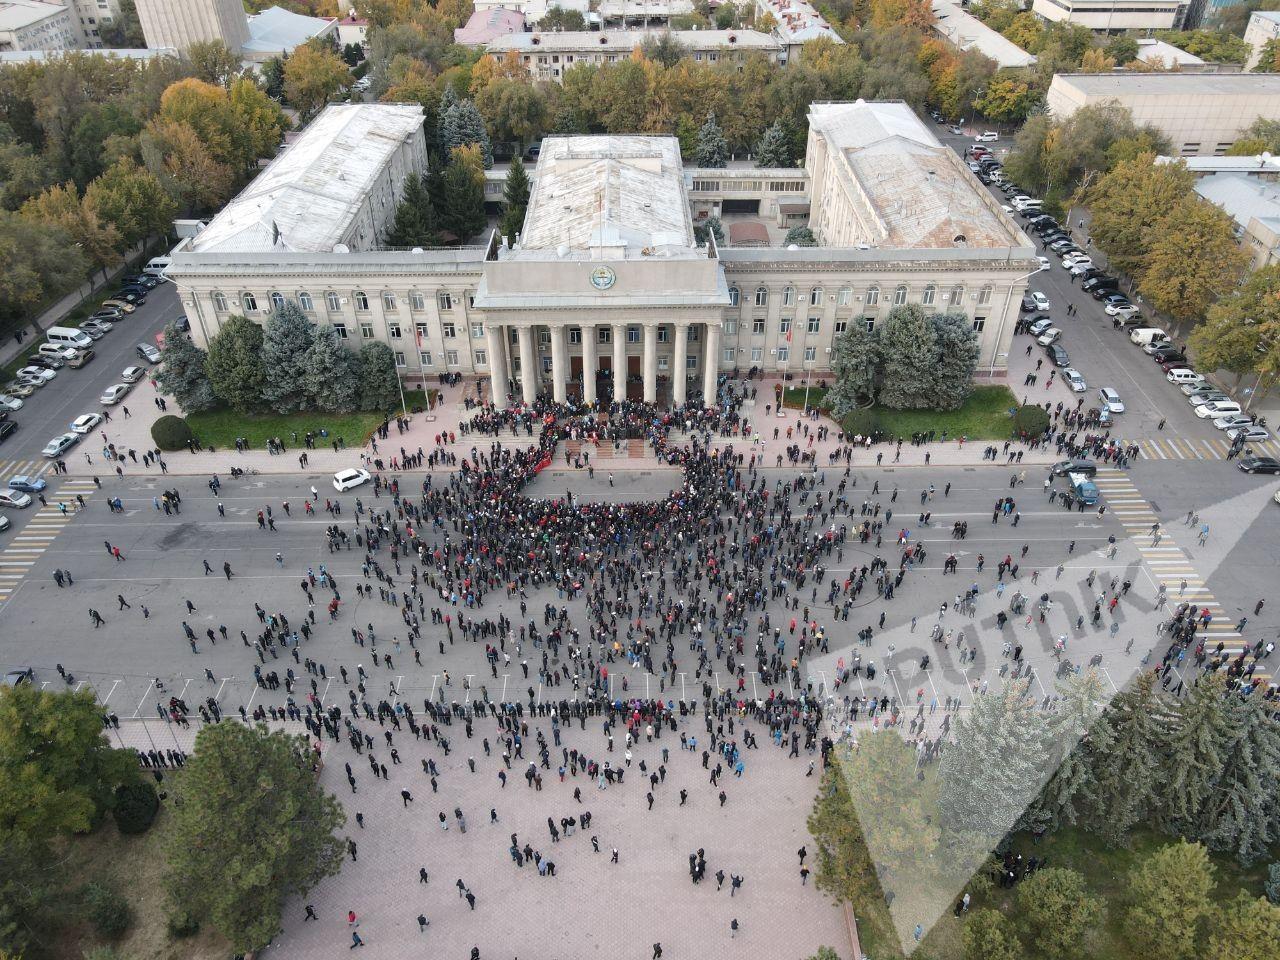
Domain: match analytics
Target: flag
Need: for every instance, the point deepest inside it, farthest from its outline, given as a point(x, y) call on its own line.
point(788, 335)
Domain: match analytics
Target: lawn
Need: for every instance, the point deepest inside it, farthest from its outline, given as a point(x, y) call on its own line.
point(984, 416)
point(220, 428)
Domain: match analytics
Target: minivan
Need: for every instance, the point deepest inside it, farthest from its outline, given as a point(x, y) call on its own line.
point(1182, 375)
point(1144, 335)
point(156, 266)
point(68, 337)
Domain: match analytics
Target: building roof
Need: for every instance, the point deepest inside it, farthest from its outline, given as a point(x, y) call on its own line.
point(641, 8)
point(1271, 15)
point(307, 196)
point(277, 30)
point(1124, 84)
point(798, 21)
point(917, 190)
point(1210, 166)
point(967, 32)
point(1150, 49)
point(608, 191)
point(16, 14)
point(627, 40)
point(485, 26)
point(27, 56)
point(748, 233)
point(1245, 199)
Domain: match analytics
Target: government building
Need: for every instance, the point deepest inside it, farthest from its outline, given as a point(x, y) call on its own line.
point(609, 280)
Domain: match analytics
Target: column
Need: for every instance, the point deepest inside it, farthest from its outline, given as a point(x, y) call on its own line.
point(711, 363)
point(679, 373)
point(559, 364)
point(619, 362)
point(497, 365)
point(528, 364)
point(589, 363)
point(650, 363)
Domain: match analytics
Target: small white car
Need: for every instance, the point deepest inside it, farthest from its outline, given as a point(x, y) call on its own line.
point(4, 521)
point(1074, 380)
point(1110, 400)
point(84, 424)
point(1045, 264)
point(9, 403)
point(1049, 336)
point(60, 445)
point(349, 479)
point(1040, 300)
point(114, 393)
point(1075, 256)
point(14, 498)
point(1080, 268)
point(1217, 408)
point(41, 374)
point(987, 136)
point(132, 374)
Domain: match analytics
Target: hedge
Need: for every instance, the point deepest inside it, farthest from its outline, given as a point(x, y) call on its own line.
point(1030, 421)
point(171, 433)
point(136, 805)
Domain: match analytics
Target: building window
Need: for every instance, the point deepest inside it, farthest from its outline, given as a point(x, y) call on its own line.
point(930, 294)
point(815, 297)
point(449, 330)
point(366, 331)
point(979, 324)
point(394, 330)
point(417, 301)
point(695, 333)
point(899, 295)
point(690, 362)
point(277, 300)
point(727, 356)
point(575, 334)
point(731, 328)
point(957, 296)
point(250, 303)
point(421, 330)
point(662, 363)
point(220, 302)
point(757, 326)
point(844, 297)
point(304, 301)
point(762, 296)
point(873, 296)
point(482, 358)
point(331, 302)
point(733, 291)
point(984, 296)
point(784, 326)
point(841, 326)
point(451, 358)
point(546, 364)
point(425, 357)
point(788, 296)
point(604, 335)
point(757, 354)
point(814, 324)
point(388, 300)
point(871, 324)
point(399, 358)
point(633, 334)
point(444, 300)
point(341, 330)
point(544, 338)
point(784, 354)
point(810, 354)
point(663, 334)
point(362, 300)
point(477, 331)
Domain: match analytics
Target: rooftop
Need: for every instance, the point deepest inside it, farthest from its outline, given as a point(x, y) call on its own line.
point(1258, 164)
point(1150, 49)
point(640, 8)
point(798, 21)
point(627, 40)
point(967, 32)
point(16, 14)
point(608, 192)
point(1273, 16)
point(1172, 84)
point(917, 190)
point(277, 30)
point(484, 26)
point(1245, 199)
point(307, 196)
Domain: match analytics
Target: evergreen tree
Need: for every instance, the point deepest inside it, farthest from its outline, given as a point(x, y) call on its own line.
point(1169, 899)
point(855, 362)
point(182, 372)
point(1072, 733)
point(774, 148)
point(800, 237)
point(327, 373)
point(1056, 912)
point(273, 78)
point(565, 122)
point(958, 349)
point(987, 935)
point(1241, 815)
point(909, 352)
point(462, 125)
point(415, 222)
point(1247, 929)
point(515, 200)
point(286, 338)
point(234, 364)
point(707, 228)
point(1198, 740)
point(376, 372)
point(1126, 778)
point(463, 211)
point(712, 149)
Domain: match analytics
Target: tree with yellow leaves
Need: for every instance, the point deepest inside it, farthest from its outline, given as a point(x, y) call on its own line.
point(1193, 258)
point(312, 75)
point(61, 206)
point(1127, 200)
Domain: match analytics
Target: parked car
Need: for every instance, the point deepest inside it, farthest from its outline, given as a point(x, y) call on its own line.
point(148, 353)
point(7, 428)
point(85, 423)
point(14, 499)
point(39, 374)
point(987, 136)
point(1074, 380)
point(114, 393)
point(1217, 408)
point(141, 280)
point(81, 358)
point(1199, 400)
point(1045, 262)
point(1027, 305)
point(1193, 390)
point(132, 374)
point(135, 295)
point(1057, 355)
point(1126, 313)
point(111, 315)
point(49, 363)
point(18, 390)
point(1233, 421)
point(1259, 465)
point(124, 306)
point(60, 445)
point(106, 326)
point(8, 402)
point(1110, 400)
point(91, 329)
point(1249, 434)
point(27, 484)
point(1039, 326)
point(1040, 300)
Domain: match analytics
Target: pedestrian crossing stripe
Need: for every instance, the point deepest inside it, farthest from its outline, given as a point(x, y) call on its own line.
point(1186, 448)
point(33, 540)
point(24, 468)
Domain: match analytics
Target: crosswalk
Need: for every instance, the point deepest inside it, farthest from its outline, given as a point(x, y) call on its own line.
point(26, 546)
point(1187, 448)
point(35, 467)
point(1168, 562)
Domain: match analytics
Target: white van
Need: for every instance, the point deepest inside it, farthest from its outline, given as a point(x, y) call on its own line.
point(1144, 335)
point(987, 136)
point(156, 266)
point(56, 350)
point(68, 337)
point(1182, 375)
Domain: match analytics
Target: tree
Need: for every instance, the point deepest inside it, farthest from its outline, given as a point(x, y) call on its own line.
point(1122, 50)
point(134, 200)
point(1056, 911)
point(38, 261)
point(1247, 929)
point(513, 110)
point(460, 126)
point(800, 237)
point(1168, 901)
point(214, 62)
point(1268, 59)
point(711, 150)
point(1007, 100)
point(958, 350)
point(774, 148)
point(287, 339)
point(30, 886)
point(855, 361)
point(908, 351)
point(1216, 46)
point(988, 935)
point(182, 372)
point(1242, 331)
point(312, 75)
point(664, 48)
point(1195, 752)
point(124, 30)
point(327, 373)
point(1073, 734)
point(57, 771)
point(234, 364)
point(415, 222)
point(558, 18)
point(273, 78)
point(103, 126)
point(62, 207)
point(515, 200)
point(1193, 258)
point(1127, 200)
point(176, 153)
point(376, 371)
point(1126, 779)
point(463, 211)
point(251, 827)
point(707, 228)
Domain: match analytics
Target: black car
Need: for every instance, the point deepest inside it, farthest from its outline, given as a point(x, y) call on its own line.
point(1091, 274)
point(1167, 352)
point(1057, 355)
point(48, 362)
point(1027, 305)
point(1104, 289)
point(1063, 467)
point(135, 295)
point(1259, 465)
point(143, 280)
point(18, 675)
point(7, 427)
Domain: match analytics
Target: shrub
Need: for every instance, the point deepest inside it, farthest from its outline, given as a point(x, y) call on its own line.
point(862, 422)
point(171, 433)
point(135, 806)
point(181, 923)
point(1030, 421)
point(109, 912)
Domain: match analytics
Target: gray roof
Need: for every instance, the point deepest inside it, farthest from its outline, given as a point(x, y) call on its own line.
point(1243, 198)
point(276, 29)
point(593, 41)
point(1172, 84)
point(967, 32)
point(16, 14)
